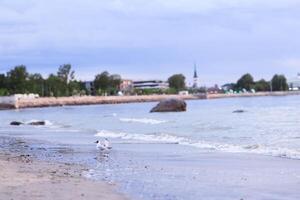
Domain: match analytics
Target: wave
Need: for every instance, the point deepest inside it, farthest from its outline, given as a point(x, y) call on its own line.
point(142, 120)
point(255, 149)
point(204, 145)
point(163, 138)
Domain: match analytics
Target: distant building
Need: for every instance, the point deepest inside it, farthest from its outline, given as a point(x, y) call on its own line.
point(150, 84)
point(294, 83)
point(183, 93)
point(195, 84)
point(89, 85)
point(228, 86)
point(126, 85)
point(214, 90)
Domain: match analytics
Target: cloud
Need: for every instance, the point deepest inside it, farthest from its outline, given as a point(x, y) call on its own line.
point(293, 63)
point(146, 36)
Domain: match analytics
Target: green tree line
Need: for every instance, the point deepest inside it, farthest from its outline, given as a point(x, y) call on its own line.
point(277, 83)
point(20, 81)
point(62, 83)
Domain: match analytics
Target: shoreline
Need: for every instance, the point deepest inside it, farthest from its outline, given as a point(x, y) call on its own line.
point(257, 94)
point(19, 103)
point(23, 176)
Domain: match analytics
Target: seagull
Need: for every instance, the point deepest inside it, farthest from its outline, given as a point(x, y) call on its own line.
point(103, 146)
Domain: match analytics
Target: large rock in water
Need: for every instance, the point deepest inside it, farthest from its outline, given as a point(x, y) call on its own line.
point(170, 105)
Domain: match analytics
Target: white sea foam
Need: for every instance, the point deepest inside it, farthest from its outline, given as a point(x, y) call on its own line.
point(48, 123)
point(209, 146)
point(142, 120)
point(255, 148)
point(165, 138)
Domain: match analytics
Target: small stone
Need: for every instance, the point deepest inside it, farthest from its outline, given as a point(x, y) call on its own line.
point(16, 123)
point(239, 111)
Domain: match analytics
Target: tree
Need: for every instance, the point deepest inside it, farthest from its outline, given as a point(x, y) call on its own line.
point(177, 81)
point(65, 73)
point(2, 81)
point(3, 85)
point(35, 84)
point(17, 79)
point(66, 76)
point(75, 87)
point(54, 86)
point(262, 86)
point(245, 82)
point(115, 81)
point(105, 83)
point(279, 83)
point(102, 81)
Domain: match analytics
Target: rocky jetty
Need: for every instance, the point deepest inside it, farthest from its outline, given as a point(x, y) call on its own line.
point(87, 100)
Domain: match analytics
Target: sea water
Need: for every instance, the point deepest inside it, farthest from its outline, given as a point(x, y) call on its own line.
point(160, 155)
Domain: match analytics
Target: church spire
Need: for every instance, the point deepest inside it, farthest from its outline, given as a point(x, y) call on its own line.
point(195, 71)
point(195, 85)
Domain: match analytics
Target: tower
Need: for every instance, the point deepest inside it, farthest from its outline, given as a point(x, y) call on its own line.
point(195, 84)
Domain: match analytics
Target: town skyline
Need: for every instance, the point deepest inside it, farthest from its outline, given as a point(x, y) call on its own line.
point(189, 78)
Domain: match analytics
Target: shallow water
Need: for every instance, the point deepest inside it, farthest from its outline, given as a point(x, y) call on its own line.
point(149, 145)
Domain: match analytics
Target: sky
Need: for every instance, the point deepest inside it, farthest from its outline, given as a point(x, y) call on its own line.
point(142, 39)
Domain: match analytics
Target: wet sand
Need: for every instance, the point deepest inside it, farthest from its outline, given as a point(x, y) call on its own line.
point(23, 176)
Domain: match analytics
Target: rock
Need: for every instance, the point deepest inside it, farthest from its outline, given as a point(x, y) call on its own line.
point(239, 111)
point(37, 123)
point(170, 105)
point(15, 123)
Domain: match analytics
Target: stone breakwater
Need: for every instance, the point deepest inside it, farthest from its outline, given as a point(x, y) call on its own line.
point(16, 102)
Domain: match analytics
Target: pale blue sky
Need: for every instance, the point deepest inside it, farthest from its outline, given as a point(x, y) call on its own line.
point(143, 39)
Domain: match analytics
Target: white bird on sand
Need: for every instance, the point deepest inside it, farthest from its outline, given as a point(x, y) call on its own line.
point(104, 145)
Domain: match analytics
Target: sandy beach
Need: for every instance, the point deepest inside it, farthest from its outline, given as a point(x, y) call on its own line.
point(24, 177)
point(208, 152)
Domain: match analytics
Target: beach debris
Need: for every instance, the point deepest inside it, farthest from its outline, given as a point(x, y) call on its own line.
point(239, 111)
point(103, 145)
point(16, 123)
point(170, 105)
point(37, 123)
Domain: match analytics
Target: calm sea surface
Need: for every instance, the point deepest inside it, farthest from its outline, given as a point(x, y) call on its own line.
point(148, 144)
